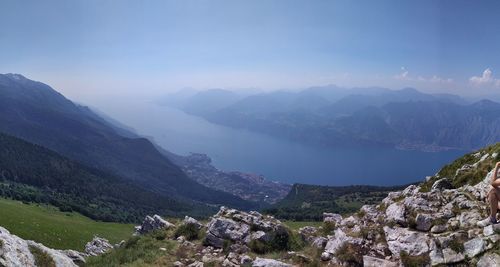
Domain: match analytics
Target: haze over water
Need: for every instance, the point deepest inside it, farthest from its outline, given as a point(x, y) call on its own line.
point(277, 159)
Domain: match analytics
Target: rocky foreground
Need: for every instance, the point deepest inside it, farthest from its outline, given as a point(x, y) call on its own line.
point(408, 228)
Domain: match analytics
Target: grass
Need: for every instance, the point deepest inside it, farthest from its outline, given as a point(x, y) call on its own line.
point(140, 251)
point(280, 240)
point(189, 231)
point(350, 255)
point(42, 259)
point(472, 176)
point(293, 225)
point(457, 245)
point(55, 229)
point(414, 261)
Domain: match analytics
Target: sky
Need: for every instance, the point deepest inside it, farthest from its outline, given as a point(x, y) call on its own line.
point(86, 48)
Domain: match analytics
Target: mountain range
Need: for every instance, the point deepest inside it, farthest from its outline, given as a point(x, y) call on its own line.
point(36, 113)
point(333, 117)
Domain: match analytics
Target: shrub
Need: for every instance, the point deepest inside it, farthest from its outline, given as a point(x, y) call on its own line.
point(361, 213)
point(350, 254)
point(226, 245)
point(259, 247)
point(328, 227)
point(159, 235)
point(414, 261)
point(280, 240)
point(412, 220)
point(456, 245)
point(138, 251)
point(42, 259)
point(189, 231)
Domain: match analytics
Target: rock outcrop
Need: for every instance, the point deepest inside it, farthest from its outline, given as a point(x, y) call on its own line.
point(436, 227)
point(152, 224)
point(241, 228)
point(98, 246)
point(17, 252)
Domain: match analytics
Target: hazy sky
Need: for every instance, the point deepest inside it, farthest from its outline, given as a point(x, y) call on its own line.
point(97, 47)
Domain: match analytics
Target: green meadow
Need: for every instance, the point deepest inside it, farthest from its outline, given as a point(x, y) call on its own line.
point(56, 229)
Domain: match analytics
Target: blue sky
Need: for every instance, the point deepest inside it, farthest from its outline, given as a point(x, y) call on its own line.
point(151, 47)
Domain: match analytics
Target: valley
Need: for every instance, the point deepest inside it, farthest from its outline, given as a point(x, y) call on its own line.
point(276, 159)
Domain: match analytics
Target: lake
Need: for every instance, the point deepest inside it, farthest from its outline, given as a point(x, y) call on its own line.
point(281, 160)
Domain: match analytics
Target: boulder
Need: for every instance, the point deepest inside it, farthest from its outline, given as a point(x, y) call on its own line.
point(437, 229)
point(442, 184)
point(220, 229)
point(469, 219)
point(260, 236)
point(332, 217)
point(419, 204)
point(488, 260)
point(435, 254)
point(371, 213)
point(402, 239)
point(15, 251)
point(241, 227)
point(246, 261)
point(260, 262)
point(396, 213)
point(60, 258)
point(189, 220)
point(319, 242)
point(98, 246)
point(410, 190)
point(338, 240)
point(196, 264)
point(491, 229)
point(451, 256)
point(369, 261)
point(350, 221)
point(424, 222)
point(151, 224)
point(76, 256)
point(474, 247)
point(308, 233)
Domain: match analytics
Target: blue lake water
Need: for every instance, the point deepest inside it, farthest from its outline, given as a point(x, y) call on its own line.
point(277, 159)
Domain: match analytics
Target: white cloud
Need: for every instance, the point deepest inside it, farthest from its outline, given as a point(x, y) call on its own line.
point(405, 76)
point(486, 79)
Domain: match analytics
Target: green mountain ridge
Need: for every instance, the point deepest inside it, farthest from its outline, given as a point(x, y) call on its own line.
point(35, 112)
point(33, 173)
point(309, 202)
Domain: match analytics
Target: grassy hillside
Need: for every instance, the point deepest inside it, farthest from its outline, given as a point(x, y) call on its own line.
point(32, 173)
point(308, 202)
point(62, 230)
point(35, 112)
point(470, 176)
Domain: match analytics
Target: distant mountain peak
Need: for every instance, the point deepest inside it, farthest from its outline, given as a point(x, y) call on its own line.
point(15, 76)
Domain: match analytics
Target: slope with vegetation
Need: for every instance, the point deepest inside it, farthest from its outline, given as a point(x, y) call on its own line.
point(56, 229)
point(33, 173)
point(410, 227)
point(35, 112)
point(309, 202)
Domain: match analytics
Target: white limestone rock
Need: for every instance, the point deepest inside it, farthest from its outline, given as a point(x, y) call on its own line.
point(489, 260)
point(260, 262)
point(369, 261)
point(98, 246)
point(474, 247)
point(396, 213)
point(424, 222)
point(402, 239)
point(151, 224)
